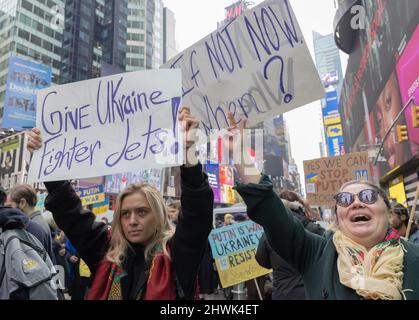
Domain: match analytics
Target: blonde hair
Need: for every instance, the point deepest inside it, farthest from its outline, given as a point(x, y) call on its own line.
point(118, 247)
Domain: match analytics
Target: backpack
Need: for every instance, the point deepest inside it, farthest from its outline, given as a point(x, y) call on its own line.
point(26, 270)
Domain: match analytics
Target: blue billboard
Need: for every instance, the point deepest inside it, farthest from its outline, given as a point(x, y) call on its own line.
point(335, 146)
point(331, 113)
point(23, 80)
point(332, 99)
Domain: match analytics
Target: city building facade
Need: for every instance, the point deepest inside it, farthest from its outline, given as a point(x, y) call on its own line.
point(31, 30)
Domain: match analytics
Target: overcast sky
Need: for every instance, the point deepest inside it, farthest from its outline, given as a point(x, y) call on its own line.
point(197, 18)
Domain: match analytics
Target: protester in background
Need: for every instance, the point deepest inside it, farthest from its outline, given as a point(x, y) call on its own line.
point(287, 283)
point(3, 196)
point(301, 210)
point(362, 259)
point(228, 219)
point(174, 210)
point(400, 219)
point(129, 262)
point(106, 222)
point(23, 197)
point(80, 274)
point(60, 253)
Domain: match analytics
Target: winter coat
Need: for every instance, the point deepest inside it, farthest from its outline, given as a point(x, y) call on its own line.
point(91, 239)
point(14, 218)
point(288, 283)
point(315, 257)
point(414, 235)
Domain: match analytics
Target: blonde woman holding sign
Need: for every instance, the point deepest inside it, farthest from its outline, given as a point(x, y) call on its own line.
point(143, 256)
point(362, 259)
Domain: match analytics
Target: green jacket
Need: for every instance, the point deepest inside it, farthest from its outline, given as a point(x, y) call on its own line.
point(314, 256)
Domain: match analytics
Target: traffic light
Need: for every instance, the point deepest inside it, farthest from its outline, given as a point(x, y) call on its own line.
point(402, 133)
point(415, 115)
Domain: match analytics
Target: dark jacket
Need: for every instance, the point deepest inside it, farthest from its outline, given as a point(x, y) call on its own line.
point(187, 246)
point(39, 219)
point(288, 283)
point(314, 256)
point(414, 234)
point(13, 218)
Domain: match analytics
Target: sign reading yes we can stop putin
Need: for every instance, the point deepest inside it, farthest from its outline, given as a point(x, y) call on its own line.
point(324, 176)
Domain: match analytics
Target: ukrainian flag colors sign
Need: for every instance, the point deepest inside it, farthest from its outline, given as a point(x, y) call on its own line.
point(91, 195)
point(234, 248)
point(101, 207)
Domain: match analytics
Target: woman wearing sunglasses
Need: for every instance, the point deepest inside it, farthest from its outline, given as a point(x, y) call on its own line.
point(363, 258)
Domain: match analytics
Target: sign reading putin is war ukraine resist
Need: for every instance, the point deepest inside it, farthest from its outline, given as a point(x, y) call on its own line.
point(234, 248)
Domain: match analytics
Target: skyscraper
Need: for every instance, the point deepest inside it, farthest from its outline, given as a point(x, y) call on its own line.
point(136, 35)
point(145, 34)
point(154, 39)
point(169, 39)
point(95, 31)
point(30, 30)
point(330, 71)
point(328, 61)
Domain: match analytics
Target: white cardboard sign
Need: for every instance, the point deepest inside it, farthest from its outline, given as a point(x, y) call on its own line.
point(257, 66)
point(108, 125)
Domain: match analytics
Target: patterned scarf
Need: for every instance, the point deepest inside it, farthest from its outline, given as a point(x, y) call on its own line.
point(160, 282)
point(374, 274)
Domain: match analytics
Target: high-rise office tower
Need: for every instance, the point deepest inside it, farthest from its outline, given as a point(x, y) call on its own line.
point(95, 32)
point(31, 30)
point(169, 39)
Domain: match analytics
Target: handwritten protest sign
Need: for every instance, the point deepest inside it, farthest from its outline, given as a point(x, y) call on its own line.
point(91, 195)
point(108, 125)
point(233, 248)
point(101, 207)
point(324, 176)
point(256, 66)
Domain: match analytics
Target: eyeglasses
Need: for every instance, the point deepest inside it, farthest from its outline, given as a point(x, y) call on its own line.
point(367, 196)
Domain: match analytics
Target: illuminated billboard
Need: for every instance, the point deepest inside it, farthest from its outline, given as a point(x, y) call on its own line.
point(408, 77)
point(381, 75)
point(331, 113)
point(23, 80)
point(329, 78)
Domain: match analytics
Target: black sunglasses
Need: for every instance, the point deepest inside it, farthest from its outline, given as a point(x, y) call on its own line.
point(367, 196)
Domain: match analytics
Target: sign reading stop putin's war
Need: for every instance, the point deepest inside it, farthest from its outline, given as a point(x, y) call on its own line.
point(324, 176)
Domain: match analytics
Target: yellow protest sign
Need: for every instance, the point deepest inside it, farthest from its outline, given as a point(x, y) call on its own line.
point(91, 195)
point(234, 248)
